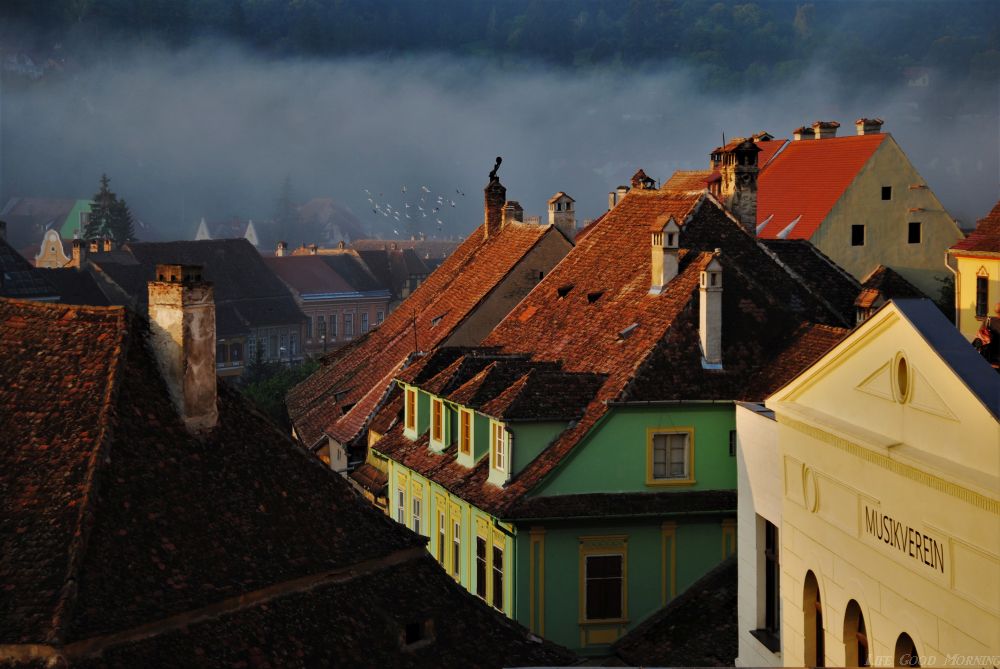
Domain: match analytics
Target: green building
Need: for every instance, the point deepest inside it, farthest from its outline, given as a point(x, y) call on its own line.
point(577, 471)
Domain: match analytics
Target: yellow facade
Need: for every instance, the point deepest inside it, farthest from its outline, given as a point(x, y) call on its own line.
point(891, 502)
point(969, 269)
point(887, 223)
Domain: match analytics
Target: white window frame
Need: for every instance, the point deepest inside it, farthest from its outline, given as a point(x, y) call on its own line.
point(687, 448)
point(401, 506)
point(416, 506)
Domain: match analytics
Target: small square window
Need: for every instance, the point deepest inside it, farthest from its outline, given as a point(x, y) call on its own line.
point(886, 192)
point(671, 459)
point(913, 233)
point(857, 235)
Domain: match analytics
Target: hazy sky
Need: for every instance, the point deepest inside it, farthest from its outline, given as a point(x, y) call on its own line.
point(213, 131)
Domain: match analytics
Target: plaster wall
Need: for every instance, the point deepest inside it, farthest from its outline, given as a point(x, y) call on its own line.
point(886, 223)
point(969, 268)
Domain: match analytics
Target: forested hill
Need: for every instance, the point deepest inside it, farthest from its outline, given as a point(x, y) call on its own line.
point(731, 43)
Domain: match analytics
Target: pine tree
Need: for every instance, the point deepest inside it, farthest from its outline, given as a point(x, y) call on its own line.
point(121, 225)
point(101, 208)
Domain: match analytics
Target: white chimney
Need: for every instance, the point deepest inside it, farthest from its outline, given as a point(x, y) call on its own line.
point(282, 250)
point(182, 333)
point(562, 214)
point(825, 129)
point(710, 313)
point(868, 126)
point(666, 239)
point(803, 132)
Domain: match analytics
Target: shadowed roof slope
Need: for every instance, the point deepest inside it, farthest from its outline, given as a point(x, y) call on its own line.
point(114, 517)
point(806, 179)
point(342, 394)
point(19, 278)
point(985, 238)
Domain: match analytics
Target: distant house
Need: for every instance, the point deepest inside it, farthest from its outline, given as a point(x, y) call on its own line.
point(257, 317)
point(858, 198)
point(17, 276)
point(869, 502)
point(975, 261)
point(29, 218)
point(401, 270)
point(54, 251)
point(233, 228)
point(339, 296)
point(577, 469)
point(432, 252)
point(152, 517)
point(458, 304)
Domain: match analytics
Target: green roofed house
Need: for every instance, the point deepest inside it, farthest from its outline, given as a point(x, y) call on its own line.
point(577, 470)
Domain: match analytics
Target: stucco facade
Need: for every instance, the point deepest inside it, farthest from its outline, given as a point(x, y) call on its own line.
point(975, 271)
point(890, 519)
point(887, 222)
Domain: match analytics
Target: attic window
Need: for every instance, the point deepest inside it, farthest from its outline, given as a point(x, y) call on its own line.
point(886, 192)
point(593, 297)
point(436, 320)
point(417, 634)
point(563, 291)
point(348, 407)
point(627, 332)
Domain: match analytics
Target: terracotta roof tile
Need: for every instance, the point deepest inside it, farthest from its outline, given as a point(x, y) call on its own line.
point(690, 180)
point(986, 237)
point(339, 398)
point(884, 283)
point(806, 179)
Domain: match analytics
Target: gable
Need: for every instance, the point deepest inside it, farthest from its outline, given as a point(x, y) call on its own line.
point(893, 387)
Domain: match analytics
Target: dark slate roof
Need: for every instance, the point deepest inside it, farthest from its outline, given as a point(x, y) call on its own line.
point(884, 283)
point(339, 399)
point(247, 293)
point(19, 278)
point(985, 238)
point(357, 623)
point(356, 273)
point(113, 517)
point(697, 629)
point(76, 287)
point(806, 345)
point(624, 504)
point(824, 278)
point(942, 336)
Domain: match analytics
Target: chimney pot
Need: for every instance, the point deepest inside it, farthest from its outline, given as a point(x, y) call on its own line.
point(665, 247)
point(825, 129)
point(868, 126)
point(182, 334)
point(494, 197)
point(340, 244)
point(281, 250)
point(803, 132)
point(562, 214)
point(710, 313)
point(512, 211)
point(313, 249)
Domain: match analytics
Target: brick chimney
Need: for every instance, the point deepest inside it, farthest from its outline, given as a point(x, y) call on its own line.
point(710, 313)
point(825, 129)
point(182, 334)
point(737, 166)
point(282, 250)
point(663, 262)
point(868, 126)
point(494, 196)
point(512, 211)
point(561, 213)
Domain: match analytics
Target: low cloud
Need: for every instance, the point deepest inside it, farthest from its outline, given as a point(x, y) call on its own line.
point(213, 130)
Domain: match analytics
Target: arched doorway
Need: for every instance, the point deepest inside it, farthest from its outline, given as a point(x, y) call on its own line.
point(855, 636)
point(906, 652)
point(812, 611)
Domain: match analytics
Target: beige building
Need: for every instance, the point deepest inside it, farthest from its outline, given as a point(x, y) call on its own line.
point(887, 540)
point(976, 264)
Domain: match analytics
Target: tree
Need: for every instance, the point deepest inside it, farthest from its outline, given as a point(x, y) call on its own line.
point(121, 226)
point(100, 210)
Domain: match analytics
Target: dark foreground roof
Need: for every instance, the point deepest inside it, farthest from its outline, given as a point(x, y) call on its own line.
point(697, 629)
point(18, 278)
point(114, 520)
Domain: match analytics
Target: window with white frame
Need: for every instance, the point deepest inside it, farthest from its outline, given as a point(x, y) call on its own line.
point(379, 317)
point(348, 325)
point(401, 506)
point(417, 503)
point(456, 544)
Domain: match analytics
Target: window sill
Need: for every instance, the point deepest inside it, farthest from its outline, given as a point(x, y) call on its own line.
point(605, 621)
point(670, 482)
point(768, 639)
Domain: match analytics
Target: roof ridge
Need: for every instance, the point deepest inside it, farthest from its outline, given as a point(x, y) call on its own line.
point(85, 514)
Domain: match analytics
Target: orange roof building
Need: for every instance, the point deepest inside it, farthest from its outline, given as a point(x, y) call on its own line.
point(458, 304)
point(975, 261)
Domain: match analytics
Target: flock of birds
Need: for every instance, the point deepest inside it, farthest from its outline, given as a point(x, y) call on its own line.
point(413, 211)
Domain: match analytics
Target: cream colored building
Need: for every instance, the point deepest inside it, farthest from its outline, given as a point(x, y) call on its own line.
point(888, 462)
point(975, 262)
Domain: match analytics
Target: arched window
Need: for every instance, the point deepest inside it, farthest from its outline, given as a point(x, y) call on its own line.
point(906, 652)
point(855, 636)
point(812, 611)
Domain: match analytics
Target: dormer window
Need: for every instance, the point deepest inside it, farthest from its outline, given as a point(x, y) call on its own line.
point(411, 409)
point(500, 454)
point(465, 432)
point(499, 447)
point(437, 420)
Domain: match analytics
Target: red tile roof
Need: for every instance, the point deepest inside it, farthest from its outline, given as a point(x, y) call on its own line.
point(768, 149)
point(688, 180)
point(985, 239)
point(884, 283)
point(806, 179)
point(645, 345)
point(339, 398)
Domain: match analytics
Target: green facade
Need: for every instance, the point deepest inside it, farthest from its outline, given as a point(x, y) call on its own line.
point(72, 226)
point(544, 559)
